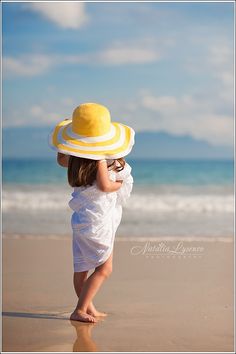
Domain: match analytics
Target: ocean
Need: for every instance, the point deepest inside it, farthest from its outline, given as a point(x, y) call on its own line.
point(170, 198)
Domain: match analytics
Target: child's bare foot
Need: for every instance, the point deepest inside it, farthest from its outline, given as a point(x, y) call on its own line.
point(81, 316)
point(94, 312)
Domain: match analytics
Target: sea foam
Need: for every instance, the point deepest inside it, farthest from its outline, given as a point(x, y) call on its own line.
point(39, 200)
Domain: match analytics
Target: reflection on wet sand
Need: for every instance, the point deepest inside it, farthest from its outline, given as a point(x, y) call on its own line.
point(84, 341)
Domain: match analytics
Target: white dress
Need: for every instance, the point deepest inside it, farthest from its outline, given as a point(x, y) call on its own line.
point(96, 217)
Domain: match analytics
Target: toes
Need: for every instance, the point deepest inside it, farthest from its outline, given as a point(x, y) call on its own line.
point(93, 319)
point(82, 317)
point(89, 319)
point(85, 317)
point(97, 314)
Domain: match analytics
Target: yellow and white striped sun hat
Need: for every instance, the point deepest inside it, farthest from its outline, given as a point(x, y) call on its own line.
point(91, 134)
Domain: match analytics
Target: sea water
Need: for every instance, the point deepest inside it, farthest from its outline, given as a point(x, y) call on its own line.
point(176, 198)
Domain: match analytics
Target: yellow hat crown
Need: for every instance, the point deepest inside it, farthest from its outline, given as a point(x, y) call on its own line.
point(91, 119)
point(90, 134)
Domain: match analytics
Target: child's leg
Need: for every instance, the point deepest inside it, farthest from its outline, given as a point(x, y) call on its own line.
point(92, 285)
point(79, 280)
point(94, 312)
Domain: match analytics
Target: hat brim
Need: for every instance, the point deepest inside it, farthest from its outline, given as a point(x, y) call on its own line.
point(117, 143)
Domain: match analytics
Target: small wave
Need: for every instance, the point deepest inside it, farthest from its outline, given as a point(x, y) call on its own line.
point(34, 200)
point(182, 203)
point(40, 200)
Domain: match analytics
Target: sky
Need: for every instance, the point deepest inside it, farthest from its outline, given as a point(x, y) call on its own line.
point(160, 67)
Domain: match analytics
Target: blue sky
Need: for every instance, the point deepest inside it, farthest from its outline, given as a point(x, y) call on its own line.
point(157, 66)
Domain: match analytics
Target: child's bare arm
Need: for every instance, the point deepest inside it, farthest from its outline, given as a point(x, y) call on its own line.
point(62, 159)
point(103, 181)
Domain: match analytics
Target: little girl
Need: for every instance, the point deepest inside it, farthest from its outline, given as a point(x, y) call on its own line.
point(93, 150)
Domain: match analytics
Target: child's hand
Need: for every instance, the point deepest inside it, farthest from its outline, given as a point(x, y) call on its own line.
point(103, 181)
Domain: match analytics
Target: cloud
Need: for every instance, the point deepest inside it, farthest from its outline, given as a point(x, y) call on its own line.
point(66, 15)
point(26, 66)
point(128, 53)
point(35, 64)
point(221, 62)
point(140, 52)
point(215, 62)
point(205, 113)
point(50, 112)
point(190, 115)
point(220, 54)
point(43, 112)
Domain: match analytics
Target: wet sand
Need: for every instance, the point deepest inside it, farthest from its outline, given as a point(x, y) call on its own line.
point(157, 298)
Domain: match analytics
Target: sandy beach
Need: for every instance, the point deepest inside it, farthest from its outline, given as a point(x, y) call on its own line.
point(157, 298)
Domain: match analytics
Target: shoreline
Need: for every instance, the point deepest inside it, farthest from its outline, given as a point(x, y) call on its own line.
point(120, 238)
point(158, 304)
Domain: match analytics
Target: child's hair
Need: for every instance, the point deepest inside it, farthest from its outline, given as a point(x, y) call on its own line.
point(82, 172)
